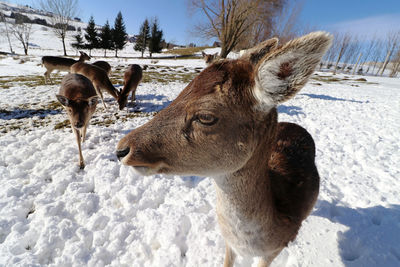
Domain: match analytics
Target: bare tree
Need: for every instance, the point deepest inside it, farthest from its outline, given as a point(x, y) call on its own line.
point(351, 53)
point(6, 30)
point(286, 25)
point(231, 20)
point(343, 41)
point(21, 29)
point(396, 65)
point(376, 54)
point(62, 13)
point(368, 51)
point(392, 43)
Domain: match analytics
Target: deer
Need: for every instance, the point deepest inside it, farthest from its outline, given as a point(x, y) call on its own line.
point(60, 63)
point(98, 77)
point(132, 77)
point(79, 98)
point(104, 65)
point(209, 58)
point(224, 125)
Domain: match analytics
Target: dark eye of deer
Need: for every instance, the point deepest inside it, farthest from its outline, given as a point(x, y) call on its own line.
point(206, 119)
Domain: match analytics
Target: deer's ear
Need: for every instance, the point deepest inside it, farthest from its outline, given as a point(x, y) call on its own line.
point(63, 100)
point(284, 71)
point(256, 53)
point(203, 54)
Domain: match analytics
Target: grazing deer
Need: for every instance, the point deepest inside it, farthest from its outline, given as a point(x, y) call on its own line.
point(224, 125)
point(132, 77)
point(98, 77)
point(60, 63)
point(104, 65)
point(209, 58)
point(79, 99)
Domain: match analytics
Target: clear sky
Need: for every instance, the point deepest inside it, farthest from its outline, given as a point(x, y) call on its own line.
point(361, 16)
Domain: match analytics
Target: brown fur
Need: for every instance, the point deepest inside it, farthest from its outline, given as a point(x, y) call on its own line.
point(60, 63)
point(79, 99)
point(103, 65)
point(132, 77)
point(98, 77)
point(224, 125)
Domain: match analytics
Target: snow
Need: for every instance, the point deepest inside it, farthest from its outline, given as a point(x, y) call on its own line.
point(51, 213)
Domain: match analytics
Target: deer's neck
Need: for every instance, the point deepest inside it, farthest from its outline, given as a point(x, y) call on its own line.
point(248, 190)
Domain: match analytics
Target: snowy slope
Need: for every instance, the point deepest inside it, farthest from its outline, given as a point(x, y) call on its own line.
point(53, 214)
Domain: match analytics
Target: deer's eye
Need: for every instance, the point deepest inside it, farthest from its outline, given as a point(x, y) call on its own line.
point(206, 119)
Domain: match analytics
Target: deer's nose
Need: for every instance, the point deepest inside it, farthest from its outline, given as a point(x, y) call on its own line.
point(122, 152)
point(79, 125)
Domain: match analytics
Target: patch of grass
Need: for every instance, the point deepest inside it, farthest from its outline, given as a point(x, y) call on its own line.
point(62, 125)
point(53, 105)
point(5, 112)
point(361, 80)
point(187, 51)
point(326, 79)
point(27, 80)
point(167, 77)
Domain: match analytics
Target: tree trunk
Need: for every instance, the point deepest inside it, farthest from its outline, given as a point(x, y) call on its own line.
point(355, 66)
point(386, 62)
point(63, 41)
point(105, 52)
point(8, 37)
point(224, 52)
point(116, 52)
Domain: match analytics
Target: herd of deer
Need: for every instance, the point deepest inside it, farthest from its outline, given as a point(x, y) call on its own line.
point(224, 125)
point(81, 89)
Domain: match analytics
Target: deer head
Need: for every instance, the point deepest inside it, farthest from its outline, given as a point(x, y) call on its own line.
point(83, 56)
point(209, 58)
point(217, 122)
point(79, 99)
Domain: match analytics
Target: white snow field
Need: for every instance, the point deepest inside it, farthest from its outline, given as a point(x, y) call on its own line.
point(53, 214)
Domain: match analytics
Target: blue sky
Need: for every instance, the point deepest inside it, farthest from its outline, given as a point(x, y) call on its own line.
point(357, 16)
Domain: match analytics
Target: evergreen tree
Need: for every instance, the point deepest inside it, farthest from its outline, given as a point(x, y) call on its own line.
point(91, 36)
point(143, 38)
point(78, 42)
point(118, 34)
point(155, 38)
point(106, 38)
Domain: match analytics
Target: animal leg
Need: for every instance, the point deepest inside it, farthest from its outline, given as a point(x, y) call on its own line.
point(99, 93)
point(265, 262)
point(84, 133)
point(78, 140)
point(230, 256)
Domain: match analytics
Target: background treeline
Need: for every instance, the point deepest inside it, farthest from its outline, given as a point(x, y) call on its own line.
point(105, 38)
point(370, 55)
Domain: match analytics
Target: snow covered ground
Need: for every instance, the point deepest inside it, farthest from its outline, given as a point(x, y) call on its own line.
point(51, 213)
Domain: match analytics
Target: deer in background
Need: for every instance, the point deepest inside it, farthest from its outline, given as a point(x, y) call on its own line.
point(104, 65)
point(98, 77)
point(224, 125)
point(79, 98)
point(60, 63)
point(209, 58)
point(132, 77)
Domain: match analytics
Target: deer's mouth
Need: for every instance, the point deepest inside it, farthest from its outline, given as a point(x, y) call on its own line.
point(144, 168)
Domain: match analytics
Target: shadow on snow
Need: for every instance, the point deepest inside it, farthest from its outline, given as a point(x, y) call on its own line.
point(373, 235)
